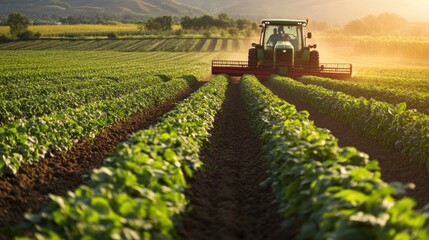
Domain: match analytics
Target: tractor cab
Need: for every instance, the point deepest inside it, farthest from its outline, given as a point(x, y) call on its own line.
point(282, 44)
point(282, 34)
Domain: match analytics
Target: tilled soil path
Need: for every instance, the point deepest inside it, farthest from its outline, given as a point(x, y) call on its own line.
point(394, 168)
point(29, 189)
point(226, 199)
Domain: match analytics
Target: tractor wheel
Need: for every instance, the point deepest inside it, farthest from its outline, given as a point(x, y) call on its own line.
point(253, 58)
point(314, 60)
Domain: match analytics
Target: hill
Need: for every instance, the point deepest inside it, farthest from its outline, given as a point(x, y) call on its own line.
point(142, 8)
point(334, 11)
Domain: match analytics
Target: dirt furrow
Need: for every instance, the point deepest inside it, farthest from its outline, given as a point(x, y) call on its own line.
point(29, 189)
point(394, 167)
point(226, 199)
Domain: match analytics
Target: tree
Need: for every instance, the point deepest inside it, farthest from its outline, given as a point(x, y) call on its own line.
point(356, 27)
point(3, 19)
point(159, 23)
point(243, 23)
point(18, 23)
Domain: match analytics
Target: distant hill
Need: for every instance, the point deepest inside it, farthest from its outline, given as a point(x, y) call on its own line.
point(334, 11)
point(38, 8)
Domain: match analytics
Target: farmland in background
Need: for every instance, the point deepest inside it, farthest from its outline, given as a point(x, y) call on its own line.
point(388, 46)
point(65, 101)
point(90, 29)
point(136, 45)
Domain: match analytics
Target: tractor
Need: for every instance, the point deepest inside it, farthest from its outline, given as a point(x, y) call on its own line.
point(282, 50)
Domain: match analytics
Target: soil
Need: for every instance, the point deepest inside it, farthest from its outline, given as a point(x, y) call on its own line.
point(224, 45)
point(212, 45)
point(199, 45)
point(226, 199)
point(394, 167)
point(29, 189)
point(235, 45)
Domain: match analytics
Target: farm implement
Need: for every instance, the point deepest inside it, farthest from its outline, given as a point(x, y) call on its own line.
point(282, 50)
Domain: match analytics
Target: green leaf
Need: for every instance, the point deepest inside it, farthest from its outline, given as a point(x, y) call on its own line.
point(401, 106)
point(100, 204)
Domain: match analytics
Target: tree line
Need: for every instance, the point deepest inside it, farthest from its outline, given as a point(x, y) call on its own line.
point(206, 23)
point(371, 25)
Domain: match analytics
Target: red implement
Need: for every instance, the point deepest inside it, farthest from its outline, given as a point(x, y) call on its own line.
point(238, 68)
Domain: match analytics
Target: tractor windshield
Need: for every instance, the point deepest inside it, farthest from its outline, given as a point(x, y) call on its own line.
point(275, 33)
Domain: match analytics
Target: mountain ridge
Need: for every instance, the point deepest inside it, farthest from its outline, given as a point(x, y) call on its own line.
point(334, 11)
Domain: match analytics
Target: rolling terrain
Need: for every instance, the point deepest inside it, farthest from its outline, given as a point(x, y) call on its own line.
point(321, 11)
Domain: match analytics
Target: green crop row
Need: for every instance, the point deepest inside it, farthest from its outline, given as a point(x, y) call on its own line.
point(135, 45)
point(27, 141)
point(415, 100)
point(37, 105)
point(408, 48)
point(21, 69)
point(331, 192)
point(139, 192)
point(406, 78)
point(392, 125)
point(17, 91)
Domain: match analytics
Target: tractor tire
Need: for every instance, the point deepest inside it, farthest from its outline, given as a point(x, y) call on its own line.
point(314, 60)
point(253, 58)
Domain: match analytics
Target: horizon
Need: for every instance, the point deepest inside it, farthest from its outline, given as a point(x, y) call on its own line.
point(331, 11)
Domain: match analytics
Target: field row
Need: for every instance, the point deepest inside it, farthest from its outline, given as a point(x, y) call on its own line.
point(411, 47)
point(139, 192)
point(55, 30)
point(392, 125)
point(35, 104)
point(57, 110)
point(413, 99)
point(403, 78)
point(335, 193)
point(18, 69)
point(28, 141)
point(331, 192)
point(136, 45)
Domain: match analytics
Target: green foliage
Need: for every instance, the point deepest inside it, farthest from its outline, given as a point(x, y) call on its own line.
point(178, 32)
point(25, 142)
point(383, 24)
point(207, 34)
point(222, 22)
point(389, 124)
point(419, 101)
point(139, 193)
point(31, 104)
point(410, 47)
point(28, 35)
point(18, 23)
point(163, 23)
point(4, 39)
point(333, 192)
point(180, 44)
point(112, 35)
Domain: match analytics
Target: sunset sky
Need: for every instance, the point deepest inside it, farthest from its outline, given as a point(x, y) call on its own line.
point(415, 10)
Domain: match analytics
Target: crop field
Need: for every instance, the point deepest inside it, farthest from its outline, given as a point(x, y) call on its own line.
point(136, 45)
point(411, 47)
point(54, 30)
point(135, 139)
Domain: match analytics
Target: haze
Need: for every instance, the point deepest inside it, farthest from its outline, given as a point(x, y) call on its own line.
point(415, 10)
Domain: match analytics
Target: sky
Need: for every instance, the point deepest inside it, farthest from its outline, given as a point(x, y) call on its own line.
point(332, 11)
point(414, 10)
